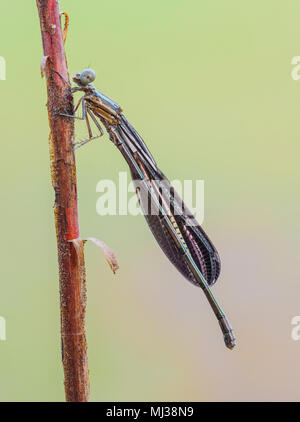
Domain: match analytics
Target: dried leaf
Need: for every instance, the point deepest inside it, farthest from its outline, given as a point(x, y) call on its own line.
point(108, 253)
point(77, 245)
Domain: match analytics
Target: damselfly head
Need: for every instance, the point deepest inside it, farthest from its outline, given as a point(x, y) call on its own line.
point(85, 77)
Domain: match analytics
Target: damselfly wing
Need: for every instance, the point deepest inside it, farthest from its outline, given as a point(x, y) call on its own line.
point(202, 250)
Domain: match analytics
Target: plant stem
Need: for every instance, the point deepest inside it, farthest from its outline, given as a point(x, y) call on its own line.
point(72, 281)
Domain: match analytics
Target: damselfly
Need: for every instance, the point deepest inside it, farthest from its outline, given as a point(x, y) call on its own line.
point(177, 232)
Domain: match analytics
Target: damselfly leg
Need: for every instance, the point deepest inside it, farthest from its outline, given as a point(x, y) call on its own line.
point(84, 116)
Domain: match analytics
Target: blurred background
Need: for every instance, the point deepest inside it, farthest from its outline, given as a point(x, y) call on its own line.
point(208, 85)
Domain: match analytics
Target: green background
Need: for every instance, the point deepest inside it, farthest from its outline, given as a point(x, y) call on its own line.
point(208, 85)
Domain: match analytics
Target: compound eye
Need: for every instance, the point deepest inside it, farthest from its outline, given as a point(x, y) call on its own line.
point(87, 76)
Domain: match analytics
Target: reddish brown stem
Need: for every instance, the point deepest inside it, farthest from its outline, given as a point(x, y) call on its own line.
point(72, 280)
